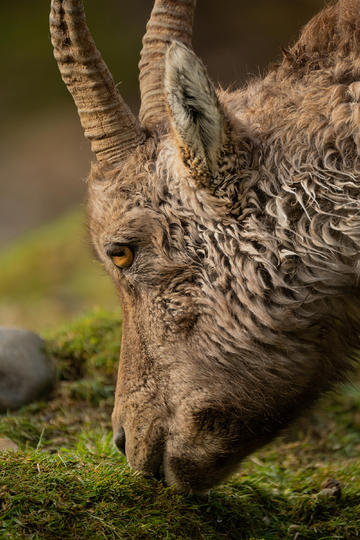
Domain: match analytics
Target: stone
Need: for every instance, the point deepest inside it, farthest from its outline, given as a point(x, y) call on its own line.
point(330, 488)
point(7, 444)
point(26, 374)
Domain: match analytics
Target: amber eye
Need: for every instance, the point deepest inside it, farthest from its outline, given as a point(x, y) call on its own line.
point(123, 257)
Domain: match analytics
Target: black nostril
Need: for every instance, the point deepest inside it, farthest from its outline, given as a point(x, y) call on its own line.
point(160, 474)
point(119, 440)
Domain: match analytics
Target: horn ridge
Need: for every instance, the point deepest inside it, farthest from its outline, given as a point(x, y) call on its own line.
point(107, 121)
point(169, 20)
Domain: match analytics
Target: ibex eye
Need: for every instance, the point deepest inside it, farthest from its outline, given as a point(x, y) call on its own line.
point(122, 256)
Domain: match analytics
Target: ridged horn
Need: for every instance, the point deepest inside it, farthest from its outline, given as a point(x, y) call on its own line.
point(108, 122)
point(170, 20)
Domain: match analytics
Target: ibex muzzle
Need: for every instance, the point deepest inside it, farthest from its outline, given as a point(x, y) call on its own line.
point(230, 224)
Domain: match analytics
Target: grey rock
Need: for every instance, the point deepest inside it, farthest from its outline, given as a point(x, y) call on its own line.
point(331, 489)
point(26, 374)
point(7, 445)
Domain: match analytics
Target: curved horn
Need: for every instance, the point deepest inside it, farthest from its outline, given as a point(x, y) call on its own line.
point(170, 20)
point(108, 122)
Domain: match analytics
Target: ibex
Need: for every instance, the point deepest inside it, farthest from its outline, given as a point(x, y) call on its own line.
point(230, 224)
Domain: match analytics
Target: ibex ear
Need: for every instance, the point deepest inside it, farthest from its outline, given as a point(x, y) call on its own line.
point(196, 116)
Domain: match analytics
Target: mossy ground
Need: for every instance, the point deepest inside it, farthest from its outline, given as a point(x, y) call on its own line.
point(68, 481)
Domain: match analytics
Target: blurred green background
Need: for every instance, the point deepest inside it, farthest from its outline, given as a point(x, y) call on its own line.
point(47, 273)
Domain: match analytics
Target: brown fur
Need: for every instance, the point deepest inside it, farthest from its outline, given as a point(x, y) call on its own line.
point(241, 304)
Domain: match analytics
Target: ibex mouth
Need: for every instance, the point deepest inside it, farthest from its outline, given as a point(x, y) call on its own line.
point(154, 468)
point(144, 451)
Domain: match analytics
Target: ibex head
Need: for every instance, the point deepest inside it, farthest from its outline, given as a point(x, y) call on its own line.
point(221, 342)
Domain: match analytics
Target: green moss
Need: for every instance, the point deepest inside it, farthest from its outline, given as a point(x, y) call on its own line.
point(89, 345)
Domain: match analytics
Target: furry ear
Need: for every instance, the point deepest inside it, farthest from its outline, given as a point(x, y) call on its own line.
point(196, 116)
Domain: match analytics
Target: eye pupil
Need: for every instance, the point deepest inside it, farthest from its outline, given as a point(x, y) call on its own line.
point(123, 257)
